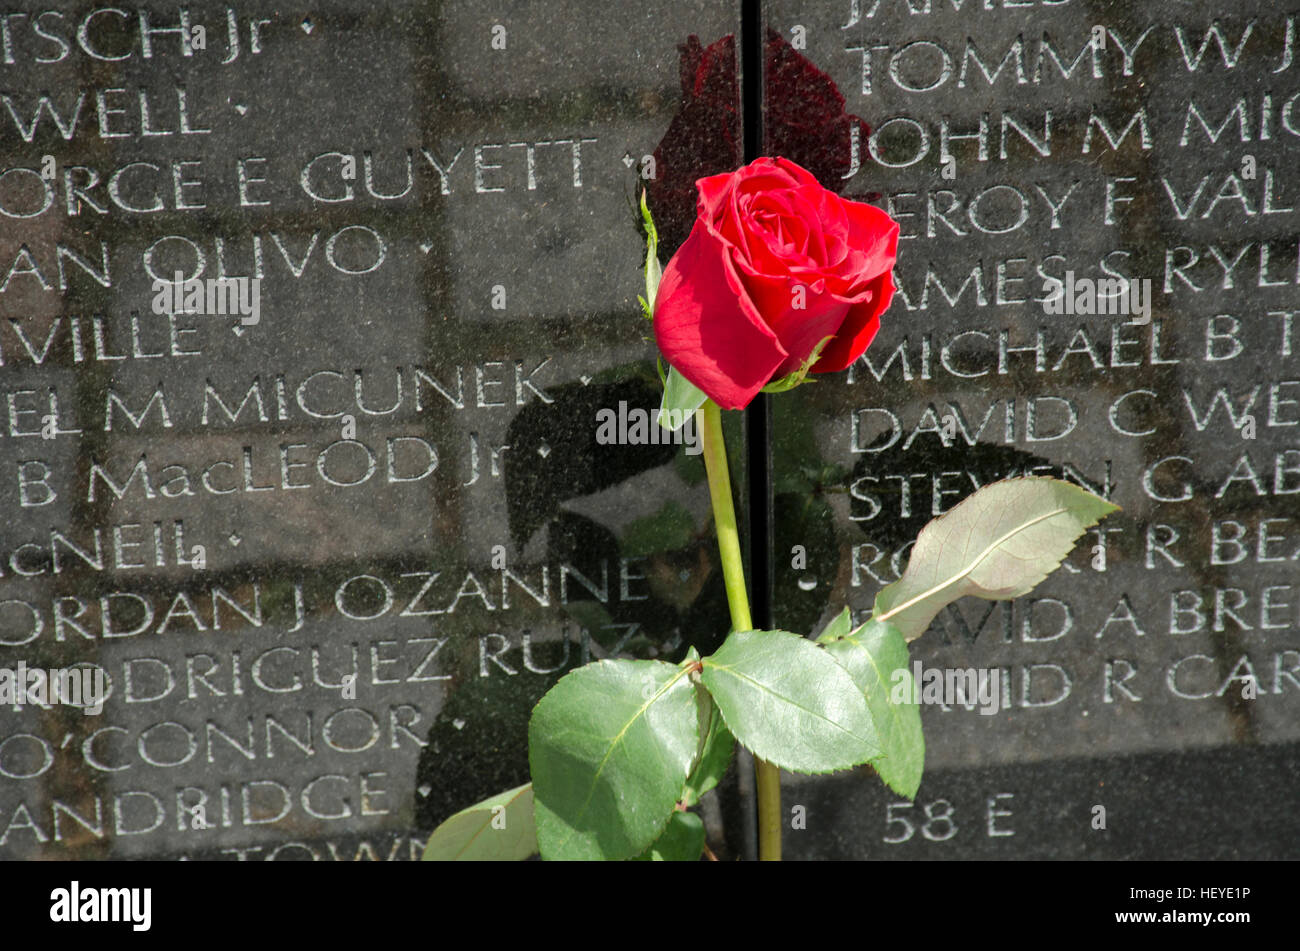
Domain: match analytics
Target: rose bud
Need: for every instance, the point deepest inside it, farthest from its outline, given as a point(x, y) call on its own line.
point(775, 267)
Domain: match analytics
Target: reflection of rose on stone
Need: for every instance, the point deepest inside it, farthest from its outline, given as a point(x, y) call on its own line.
point(804, 120)
point(703, 139)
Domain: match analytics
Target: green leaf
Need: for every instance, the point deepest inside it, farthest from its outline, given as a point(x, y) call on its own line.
point(875, 656)
point(997, 544)
point(681, 841)
point(499, 829)
point(669, 529)
point(609, 749)
point(681, 399)
point(791, 380)
point(653, 272)
point(790, 703)
point(714, 755)
point(839, 627)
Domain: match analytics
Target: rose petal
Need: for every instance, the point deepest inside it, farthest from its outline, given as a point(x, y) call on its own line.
point(824, 218)
point(798, 173)
point(759, 251)
point(799, 330)
point(708, 328)
point(729, 225)
point(872, 239)
point(827, 209)
point(859, 328)
point(714, 192)
point(783, 232)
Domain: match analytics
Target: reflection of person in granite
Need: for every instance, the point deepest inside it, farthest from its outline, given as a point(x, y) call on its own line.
point(804, 120)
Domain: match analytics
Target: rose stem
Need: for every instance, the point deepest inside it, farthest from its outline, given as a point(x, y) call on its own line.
point(733, 573)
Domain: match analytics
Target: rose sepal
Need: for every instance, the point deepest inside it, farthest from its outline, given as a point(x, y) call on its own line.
point(791, 380)
point(681, 399)
point(653, 269)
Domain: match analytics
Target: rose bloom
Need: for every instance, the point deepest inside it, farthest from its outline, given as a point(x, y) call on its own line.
point(774, 265)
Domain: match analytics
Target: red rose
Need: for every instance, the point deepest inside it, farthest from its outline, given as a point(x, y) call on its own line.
point(774, 265)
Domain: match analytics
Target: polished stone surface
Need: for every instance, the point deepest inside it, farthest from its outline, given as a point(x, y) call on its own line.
point(1097, 138)
point(333, 564)
point(329, 558)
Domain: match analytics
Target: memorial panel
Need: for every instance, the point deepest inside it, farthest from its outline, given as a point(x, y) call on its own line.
point(1097, 280)
point(305, 322)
